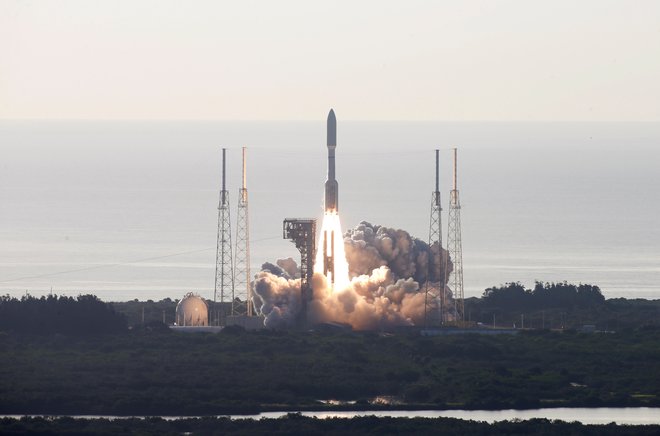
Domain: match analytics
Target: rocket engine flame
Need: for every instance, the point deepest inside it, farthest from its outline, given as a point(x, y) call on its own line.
point(330, 253)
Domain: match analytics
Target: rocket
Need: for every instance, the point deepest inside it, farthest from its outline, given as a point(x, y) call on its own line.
point(331, 199)
point(331, 185)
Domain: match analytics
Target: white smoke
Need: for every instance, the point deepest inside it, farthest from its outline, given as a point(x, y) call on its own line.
point(388, 270)
point(277, 298)
point(370, 302)
point(371, 246)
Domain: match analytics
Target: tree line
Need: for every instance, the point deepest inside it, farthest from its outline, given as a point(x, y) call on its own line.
point(82, 315)
point(295, 424)
point(543, 295)
point(560, 305)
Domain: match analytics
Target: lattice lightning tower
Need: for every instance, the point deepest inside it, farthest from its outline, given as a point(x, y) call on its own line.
point(242, 296)
point(455, 247)
point(435, 237)
point(224, 276)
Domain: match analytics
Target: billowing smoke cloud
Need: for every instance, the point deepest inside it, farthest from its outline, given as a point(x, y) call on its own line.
point(278, 298)
point(287, 268)
point(390, 273)
point(371, 246)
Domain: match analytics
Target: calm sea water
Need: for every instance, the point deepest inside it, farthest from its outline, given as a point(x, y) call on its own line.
point(129, 209)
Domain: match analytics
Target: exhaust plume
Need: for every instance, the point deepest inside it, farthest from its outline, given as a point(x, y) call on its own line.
point(389, 270)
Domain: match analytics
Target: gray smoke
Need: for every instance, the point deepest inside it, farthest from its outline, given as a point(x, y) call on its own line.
point(287, 268)
point(277, 298)
point(371, 246)
point(389, 271)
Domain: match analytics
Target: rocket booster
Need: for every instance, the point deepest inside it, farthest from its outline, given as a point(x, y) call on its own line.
point(331, 185)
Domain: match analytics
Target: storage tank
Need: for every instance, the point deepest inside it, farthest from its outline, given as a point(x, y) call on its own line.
point(192, 311)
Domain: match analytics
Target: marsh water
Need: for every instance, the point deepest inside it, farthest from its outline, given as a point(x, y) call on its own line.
point(598, 415)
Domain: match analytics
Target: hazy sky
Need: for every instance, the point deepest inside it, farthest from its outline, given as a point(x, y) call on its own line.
point(407, 60)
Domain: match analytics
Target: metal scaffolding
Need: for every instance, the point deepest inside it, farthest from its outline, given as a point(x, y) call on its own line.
point(455, 247)
point(224, 276)
point(242, 292)
point(303, 233)
point(435, 238)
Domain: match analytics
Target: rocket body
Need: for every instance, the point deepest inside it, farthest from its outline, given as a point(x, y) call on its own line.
point(331, 185)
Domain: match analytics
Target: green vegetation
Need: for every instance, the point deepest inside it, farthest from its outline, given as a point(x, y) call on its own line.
point(85, 315)
point(78, 356)
point(158, 372)
point(150, 311)
point(544, 295)
point(294, 424)
point(559, 306)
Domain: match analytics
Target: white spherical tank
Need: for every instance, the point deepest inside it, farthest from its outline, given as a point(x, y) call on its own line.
point(192, 311)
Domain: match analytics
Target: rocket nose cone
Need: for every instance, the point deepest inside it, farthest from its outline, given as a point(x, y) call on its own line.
point(332, 128)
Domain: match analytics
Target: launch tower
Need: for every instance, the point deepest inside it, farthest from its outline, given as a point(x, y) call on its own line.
point(435, 238)
point(241, 303)
point(303, 233)
point(455, 247)
point(224, 277)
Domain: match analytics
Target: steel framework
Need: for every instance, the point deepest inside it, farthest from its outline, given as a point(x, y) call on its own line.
point(224, 274)
point(435, 237)
point(241, 303)
point(303, 233)
point(455, 247)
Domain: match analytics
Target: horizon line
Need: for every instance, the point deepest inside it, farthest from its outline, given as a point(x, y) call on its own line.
point(288, 120)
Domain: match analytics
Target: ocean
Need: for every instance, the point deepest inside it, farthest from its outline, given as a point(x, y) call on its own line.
point(128, 209)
